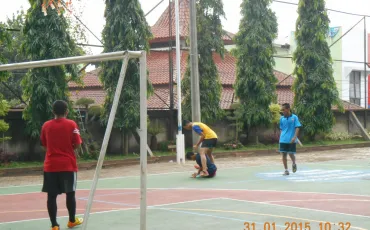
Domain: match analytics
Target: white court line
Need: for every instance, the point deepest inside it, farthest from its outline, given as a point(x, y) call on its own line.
point(355, 166)
point(278, 201)
point(118, 210)
point(169, 173)
point(124, 177)
point(293, 207)
point(216, 189)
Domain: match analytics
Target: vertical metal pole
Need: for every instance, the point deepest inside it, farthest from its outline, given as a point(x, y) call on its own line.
point(365, 67)
point(143, 140)
point(170, 80)
point(108, 131)
point(180, 143)
point(194, 80)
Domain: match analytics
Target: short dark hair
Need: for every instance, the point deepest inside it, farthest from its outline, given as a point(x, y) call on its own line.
point(189, 155)
point(286, 105)
point(185, 123)
point(60, 107)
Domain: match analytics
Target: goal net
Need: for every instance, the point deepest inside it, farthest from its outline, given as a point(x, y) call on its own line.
point(125, 56)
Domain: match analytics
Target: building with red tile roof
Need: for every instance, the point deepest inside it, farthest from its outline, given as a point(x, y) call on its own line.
point(158, 64)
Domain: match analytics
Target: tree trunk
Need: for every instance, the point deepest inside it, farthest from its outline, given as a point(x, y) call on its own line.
point(121, 147)
point(257, 141)
point(154, 143)
point(31, 150)
point(126, 144)
point(87, 114)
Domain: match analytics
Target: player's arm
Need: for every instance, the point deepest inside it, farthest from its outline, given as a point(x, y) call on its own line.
point(201, 139)
point(199, 131)
point(297, 125)
point(77, 141)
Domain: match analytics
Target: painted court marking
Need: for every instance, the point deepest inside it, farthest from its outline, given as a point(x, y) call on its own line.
point(293, 207)
point(317, 175)
point(195, 212)
point(115, 210)
point(258, 214)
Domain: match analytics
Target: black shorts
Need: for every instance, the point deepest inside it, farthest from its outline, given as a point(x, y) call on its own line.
point(288, 148)
point(59, 182)
point(209, 143)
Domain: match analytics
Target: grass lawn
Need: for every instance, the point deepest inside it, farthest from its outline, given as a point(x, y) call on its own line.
point(220, 149)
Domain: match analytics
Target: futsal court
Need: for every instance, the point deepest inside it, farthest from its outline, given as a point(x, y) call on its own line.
point(321, 195)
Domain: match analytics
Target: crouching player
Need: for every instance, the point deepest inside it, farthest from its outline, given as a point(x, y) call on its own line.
point(211, 167)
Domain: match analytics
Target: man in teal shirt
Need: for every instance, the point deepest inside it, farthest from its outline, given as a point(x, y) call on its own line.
point(289, 126)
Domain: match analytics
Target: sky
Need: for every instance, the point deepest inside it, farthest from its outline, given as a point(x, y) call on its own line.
point(93, 16)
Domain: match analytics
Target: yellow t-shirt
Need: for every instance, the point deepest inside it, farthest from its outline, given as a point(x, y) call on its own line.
point(200, 128)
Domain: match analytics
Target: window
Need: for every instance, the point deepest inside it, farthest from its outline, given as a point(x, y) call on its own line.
point(355, 87)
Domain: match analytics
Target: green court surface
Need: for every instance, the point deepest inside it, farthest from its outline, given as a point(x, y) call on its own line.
point(322, 196)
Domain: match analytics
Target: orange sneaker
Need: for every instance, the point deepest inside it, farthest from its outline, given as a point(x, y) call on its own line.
point(78, 221)
point(55, 228)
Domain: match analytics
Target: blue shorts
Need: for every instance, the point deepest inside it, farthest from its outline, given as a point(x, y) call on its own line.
point(288, 148)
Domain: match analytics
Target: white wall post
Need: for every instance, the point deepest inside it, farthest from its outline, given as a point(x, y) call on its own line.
point(143, 140)
point(180, 140)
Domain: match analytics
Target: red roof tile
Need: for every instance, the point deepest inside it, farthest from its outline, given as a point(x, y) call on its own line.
point(158, 66)
point(284, 95)
point(160, 29)
point(283, 79)
point(91, 79)
point(98, 95)
point(227, 97)
point(159, 76)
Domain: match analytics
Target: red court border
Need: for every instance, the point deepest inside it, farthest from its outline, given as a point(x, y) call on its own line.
point(29, 206)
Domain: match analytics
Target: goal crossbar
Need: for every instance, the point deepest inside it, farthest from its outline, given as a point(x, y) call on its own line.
point(71, 60)
point(125, 56)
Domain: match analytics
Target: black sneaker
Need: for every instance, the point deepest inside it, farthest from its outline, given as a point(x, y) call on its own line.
point(286, 173)
point(294, 168)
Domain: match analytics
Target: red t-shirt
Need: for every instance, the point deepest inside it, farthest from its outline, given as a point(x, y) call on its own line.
point(59, 136)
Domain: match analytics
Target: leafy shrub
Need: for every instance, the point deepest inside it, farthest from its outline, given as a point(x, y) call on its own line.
point(233, 145)
point(272, 138)
point(339, 136)
point(163, 146)
point(7, 157)
point(90, 149)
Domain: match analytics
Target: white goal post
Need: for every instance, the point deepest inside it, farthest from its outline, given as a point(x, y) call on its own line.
point(125, 56)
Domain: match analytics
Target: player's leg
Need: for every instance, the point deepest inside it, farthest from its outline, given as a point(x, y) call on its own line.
point(71, 206)
point(70, 182)
point(210, 155)
point(50, 186)
point(203, 152)
point(292, 152)
point(283, 150)
point(211, 146)
point(285, 162)
point(52, 209)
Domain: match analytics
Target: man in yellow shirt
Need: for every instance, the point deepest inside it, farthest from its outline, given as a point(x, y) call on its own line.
point(208, 139)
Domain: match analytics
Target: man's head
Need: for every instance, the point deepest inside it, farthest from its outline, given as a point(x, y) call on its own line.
point(186, 124)
point(286, 109)
point(190, 156)
point(60, 108)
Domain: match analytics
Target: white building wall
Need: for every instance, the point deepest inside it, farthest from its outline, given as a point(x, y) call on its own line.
point(353, 50)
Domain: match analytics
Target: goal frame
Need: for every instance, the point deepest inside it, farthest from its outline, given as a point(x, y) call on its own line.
point(125, 56)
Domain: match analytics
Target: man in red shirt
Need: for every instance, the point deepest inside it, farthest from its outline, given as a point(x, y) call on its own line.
point(60, 137)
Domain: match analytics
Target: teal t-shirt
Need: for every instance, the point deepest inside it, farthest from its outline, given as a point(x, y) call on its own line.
point(288, 126)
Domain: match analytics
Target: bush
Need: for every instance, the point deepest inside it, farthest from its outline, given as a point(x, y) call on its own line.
point(271, 138)
point(90, 149)
point(233, 145)
point(163, 146)
point(339, 136)
point(7, 157)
